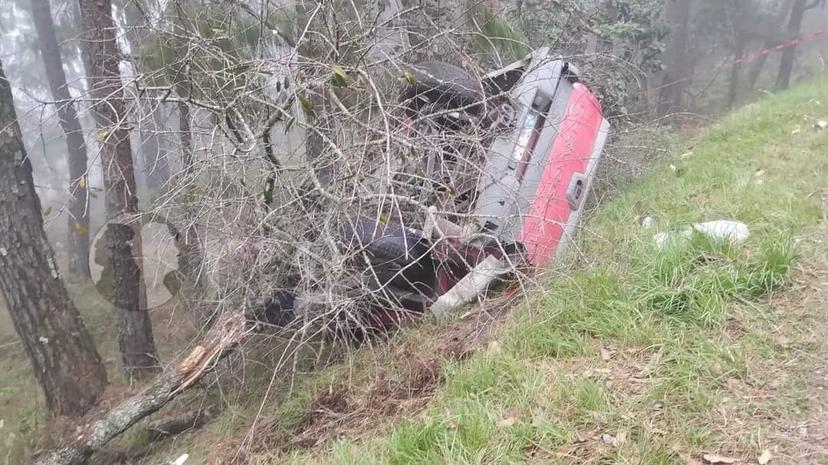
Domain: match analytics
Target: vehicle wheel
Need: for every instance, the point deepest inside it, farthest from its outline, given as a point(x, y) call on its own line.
point(443, 85)
point(400, 257)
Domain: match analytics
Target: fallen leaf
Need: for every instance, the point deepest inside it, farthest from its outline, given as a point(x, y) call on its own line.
point(606, 354)
point(688, 459)
point(494, 347)
point(307, 106)
point(765, 457)
point(608, 439)
point(581, 437)
point(409, 78)
point(47, 211)
point(507, 422)
point(340, 77)
point(79, 228)
point(82, 183)
point(715, 458)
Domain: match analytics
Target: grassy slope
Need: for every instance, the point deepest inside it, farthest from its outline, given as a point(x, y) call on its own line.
point(631, 358)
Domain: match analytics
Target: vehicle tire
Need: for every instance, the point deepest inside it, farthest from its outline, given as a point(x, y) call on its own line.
point(442, 85)
point(400, 257)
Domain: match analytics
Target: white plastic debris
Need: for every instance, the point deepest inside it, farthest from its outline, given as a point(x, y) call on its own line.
point(735, 232)
point(180, 460)
point(662, 238)
point(821, 125)
point(648, 223)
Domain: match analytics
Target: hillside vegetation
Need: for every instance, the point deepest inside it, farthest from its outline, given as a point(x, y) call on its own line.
point(643, 355)
point(626, 353)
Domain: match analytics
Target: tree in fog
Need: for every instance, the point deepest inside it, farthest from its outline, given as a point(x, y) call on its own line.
point(64, 359)
point(772, 27)
point(122, 235)
point(151, 156)
point(794, 29)
point(674, 83)
point(76, 146)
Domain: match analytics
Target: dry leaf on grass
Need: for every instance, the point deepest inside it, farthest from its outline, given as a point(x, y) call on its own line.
point(765, 457)
point(606, 354)
point(584, 436)
point(494, 347)
point(715, 458)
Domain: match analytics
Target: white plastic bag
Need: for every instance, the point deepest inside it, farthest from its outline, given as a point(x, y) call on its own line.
point(735, 232)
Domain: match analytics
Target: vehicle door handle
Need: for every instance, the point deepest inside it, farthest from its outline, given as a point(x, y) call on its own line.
point(575, 191)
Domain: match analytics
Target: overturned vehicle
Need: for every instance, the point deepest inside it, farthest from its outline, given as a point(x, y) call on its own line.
point(509, 203)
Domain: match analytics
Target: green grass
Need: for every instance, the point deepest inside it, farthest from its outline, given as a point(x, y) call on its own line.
point(664, 316)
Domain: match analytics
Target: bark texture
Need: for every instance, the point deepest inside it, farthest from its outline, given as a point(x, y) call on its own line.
point(228, 332)
point(76, 146)
point(61, 351)
point(122, 237)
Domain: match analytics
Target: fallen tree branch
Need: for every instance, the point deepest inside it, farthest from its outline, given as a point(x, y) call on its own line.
point(227, 333)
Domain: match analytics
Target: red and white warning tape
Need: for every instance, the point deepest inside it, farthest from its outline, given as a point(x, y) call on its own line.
point(754, 55)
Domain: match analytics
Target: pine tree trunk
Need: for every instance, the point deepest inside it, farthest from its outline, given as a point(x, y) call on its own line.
point(674, 82)
point(151, 153)
point(736, 71)
point(153, 156)
point(786, 65)
point(62, 353)
point(759, 65)
point(78, 222)
point(122, 235)
point(191, 248)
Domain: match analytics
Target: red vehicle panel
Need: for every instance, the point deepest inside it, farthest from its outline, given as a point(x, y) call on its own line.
point(552, 207)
